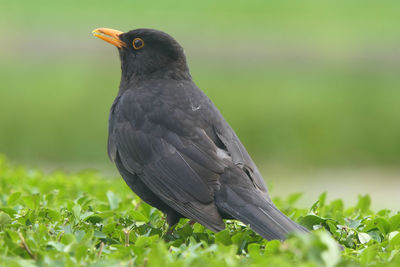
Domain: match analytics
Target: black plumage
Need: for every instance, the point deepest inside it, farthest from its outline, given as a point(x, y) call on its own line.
point(173, 147)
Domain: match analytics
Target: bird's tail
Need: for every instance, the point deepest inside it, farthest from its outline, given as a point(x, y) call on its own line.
point(261, 214)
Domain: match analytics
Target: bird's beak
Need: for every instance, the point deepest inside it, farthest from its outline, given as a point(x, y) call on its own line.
point(109, 35)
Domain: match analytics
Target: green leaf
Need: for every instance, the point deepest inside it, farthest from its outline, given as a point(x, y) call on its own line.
point(383, 225)
point(392, 234)
point(364, 238)
point(82, 226)
point(322, 199)
point(32, 201)
point(332, 225)
point(364, 202)
point(81, 252)
point(56, 245)
point(314, 206)
point(198, 228)
point(254, 250)
point(68, 239)
point(394, 222)
point(375, 235)
point(331, 255)
point(106, 214)
point(238, 239)
point(142, 241)
point(99, 234)
point(310, 220)
point(113, 200)
point(394, 240)
point(384, 212)
point(138, 216)
point(272, 247)
point(293, 198)
point(353, 223)
point(9, 211)
point(76, 210)
point(368, 255)
point(86, 215)
point(79, 234)
point(4, 219)
point(94, 219)
point(185, 231)
point(13, 198)
point(223, 237)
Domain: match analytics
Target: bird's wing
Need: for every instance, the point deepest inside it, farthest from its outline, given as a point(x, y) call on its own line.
point(182, 169)
point(239, 154)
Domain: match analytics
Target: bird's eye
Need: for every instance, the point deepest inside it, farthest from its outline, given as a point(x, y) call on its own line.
point(137, 43)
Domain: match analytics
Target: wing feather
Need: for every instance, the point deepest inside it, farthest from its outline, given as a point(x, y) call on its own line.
point(182, 171)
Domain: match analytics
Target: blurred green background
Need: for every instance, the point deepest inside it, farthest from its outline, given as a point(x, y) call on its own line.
point(311, 87)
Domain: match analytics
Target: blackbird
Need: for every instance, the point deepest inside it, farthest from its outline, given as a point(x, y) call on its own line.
point(172, 146)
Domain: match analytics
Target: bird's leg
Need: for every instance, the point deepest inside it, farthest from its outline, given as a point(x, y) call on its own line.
point(171, 229)
point(172, 220)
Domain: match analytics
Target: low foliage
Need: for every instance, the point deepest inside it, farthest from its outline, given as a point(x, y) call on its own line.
point(84, 219)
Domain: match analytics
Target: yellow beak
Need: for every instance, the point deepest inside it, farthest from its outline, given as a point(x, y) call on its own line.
point(110, 36)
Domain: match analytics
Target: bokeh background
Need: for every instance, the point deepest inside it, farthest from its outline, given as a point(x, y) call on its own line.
point(311, 87)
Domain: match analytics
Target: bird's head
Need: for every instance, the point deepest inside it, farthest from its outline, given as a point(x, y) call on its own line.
point(146, 53)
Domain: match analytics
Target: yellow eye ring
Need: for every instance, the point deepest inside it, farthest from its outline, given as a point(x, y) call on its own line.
point(137, 43)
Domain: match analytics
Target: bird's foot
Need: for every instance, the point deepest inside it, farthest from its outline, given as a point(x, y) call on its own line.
point(170, 230)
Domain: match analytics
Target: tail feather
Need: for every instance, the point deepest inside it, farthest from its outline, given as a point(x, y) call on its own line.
point(262, 215)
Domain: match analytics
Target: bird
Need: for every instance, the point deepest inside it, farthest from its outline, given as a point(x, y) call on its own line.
point(173, 147)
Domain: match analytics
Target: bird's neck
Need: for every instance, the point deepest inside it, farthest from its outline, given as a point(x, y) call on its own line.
point(133, 79)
